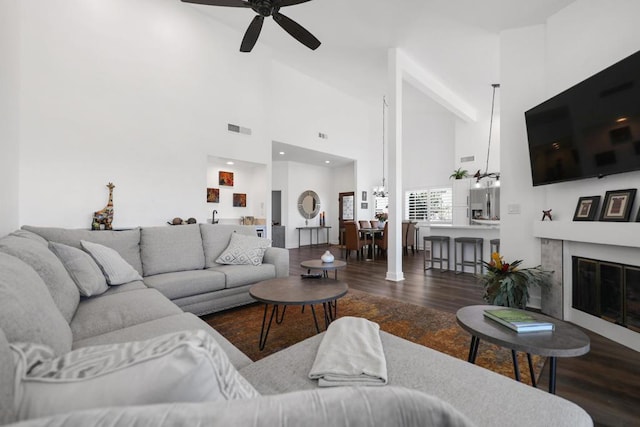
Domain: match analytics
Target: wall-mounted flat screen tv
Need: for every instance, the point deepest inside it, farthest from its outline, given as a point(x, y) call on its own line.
point(590, 130)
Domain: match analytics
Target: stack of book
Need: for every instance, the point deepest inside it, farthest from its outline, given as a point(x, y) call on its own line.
point(518, 320)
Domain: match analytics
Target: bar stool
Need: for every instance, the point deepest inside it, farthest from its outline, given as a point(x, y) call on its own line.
point(477, 242)
point(495, 243)
point(441, 241)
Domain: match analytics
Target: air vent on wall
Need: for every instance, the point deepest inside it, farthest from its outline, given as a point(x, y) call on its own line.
point(467, 159)
point(323, 135)
point(238, 129)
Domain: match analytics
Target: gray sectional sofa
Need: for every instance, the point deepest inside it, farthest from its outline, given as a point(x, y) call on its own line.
point(40, 307)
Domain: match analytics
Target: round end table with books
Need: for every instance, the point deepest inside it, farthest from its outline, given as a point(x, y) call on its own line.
point(565, 340)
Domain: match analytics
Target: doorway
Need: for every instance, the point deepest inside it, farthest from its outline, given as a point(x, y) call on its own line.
point(346, 212)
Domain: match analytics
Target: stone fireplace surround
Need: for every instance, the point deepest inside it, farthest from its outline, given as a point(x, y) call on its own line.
point(606, 241)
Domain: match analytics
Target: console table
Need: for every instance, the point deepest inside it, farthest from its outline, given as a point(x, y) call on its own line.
point(317, 229)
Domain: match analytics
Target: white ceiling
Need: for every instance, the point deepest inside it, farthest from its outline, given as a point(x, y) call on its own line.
point(457, 41)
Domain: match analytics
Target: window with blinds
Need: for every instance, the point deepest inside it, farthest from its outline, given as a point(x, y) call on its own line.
point(433, 205)
point(382, 204)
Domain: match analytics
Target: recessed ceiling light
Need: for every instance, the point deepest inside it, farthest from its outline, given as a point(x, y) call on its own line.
point(229, 162)
point(327, 161)
point(282, 153)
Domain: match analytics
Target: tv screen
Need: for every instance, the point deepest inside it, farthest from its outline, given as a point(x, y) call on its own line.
point(590, 130)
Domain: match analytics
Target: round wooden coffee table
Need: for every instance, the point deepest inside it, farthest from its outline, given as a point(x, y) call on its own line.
point(293, 290)
point(565, 340)
point(318, 264)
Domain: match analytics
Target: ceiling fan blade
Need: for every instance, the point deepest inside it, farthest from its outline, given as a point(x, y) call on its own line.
point(228, 3)
point(297, 31)
point(251, 35)
point(283, 3)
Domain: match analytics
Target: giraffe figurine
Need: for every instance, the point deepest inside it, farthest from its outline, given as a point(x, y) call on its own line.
point(104, 217)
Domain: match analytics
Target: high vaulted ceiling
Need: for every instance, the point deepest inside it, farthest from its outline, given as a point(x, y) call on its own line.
point(454, 40)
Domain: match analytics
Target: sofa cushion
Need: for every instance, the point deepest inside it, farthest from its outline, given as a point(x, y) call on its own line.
point(168, 249)
point(125, 242)
point(175, 323)
point(240, 275)
point(187, 366)
point(64, 292)
point(27, 310)
point(185, 283)
point(82, 268)
point(116, 270)
point(244, 250)
point(106, 313)
point(131, 286)
point(216, 238)
point(29, 235)
point(7, 379)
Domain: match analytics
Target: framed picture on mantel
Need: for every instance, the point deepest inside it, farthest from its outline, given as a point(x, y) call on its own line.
point(617, 205)
point(587, 208)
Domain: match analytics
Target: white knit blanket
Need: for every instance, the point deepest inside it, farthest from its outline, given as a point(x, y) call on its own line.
point(350, 354)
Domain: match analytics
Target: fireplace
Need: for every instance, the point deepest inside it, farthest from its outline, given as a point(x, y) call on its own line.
point(607, 290)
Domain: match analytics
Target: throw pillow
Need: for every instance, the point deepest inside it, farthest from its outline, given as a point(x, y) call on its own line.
point(244, 250)
point(116, 270)
point(186, 366)
point(82, 268)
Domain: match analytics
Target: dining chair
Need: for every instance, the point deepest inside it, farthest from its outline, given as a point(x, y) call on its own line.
point(353, 240)
point(383, 242)
point(374, 223)
point(364, 224)
point(405, 228)
point(411, 238)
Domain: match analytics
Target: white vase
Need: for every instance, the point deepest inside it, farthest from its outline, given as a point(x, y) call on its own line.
point(327, 257)
point(381, 224)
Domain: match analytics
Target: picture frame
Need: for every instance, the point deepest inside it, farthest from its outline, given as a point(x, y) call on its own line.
point(617, 205)
point(364, 205)
point(239, 200)
point(364, 196)
point(213, 195)
point(587, 208)
point(225, 178)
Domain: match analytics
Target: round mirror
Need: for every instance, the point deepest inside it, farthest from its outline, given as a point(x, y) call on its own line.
point(309, 204)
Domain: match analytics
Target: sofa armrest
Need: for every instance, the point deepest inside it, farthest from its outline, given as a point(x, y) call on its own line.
point(278, 257)
point(373, 406)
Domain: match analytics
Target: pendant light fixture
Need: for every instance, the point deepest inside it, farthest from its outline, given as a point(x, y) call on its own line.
point(486, 174)
point(381, 191)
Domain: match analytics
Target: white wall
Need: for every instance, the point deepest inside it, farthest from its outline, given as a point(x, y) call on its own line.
point(299, 177)
point(522, 49)
point(249, 178)
point(301, 107)
point(428, 148)
point(139, 92)
point(9, 117)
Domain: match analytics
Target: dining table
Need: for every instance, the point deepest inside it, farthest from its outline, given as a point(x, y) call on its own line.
point(371, 232)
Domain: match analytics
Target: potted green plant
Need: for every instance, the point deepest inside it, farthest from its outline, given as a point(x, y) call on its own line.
point(507, 285)
point(459, 174)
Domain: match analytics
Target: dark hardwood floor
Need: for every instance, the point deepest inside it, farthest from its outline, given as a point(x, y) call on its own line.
point(605, 382)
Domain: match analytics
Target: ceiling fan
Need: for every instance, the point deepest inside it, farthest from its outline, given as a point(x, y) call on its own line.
point(266, 8)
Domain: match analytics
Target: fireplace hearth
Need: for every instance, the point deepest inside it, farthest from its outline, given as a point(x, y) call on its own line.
point(607, 290)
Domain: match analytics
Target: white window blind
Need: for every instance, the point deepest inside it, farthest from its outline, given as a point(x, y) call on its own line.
point(433, 205)
point(382, 204)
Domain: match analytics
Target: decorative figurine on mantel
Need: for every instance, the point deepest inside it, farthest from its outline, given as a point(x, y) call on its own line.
point(103, 218)
point(547, 214)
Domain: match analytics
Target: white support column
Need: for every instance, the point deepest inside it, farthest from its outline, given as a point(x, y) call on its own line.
point(394, 138)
